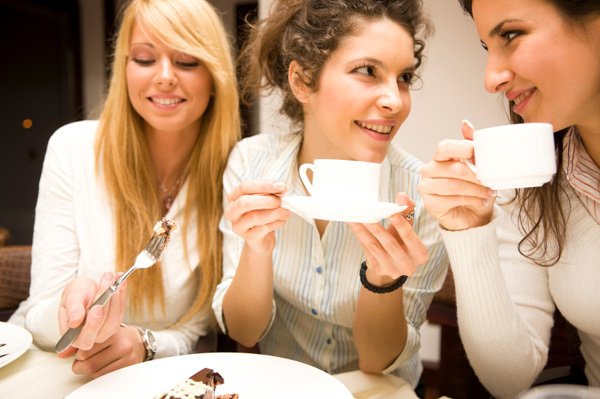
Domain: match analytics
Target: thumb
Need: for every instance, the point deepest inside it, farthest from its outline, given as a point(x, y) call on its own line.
point(467, 130)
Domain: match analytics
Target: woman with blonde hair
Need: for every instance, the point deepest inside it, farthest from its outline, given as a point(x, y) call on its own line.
point(159, 149)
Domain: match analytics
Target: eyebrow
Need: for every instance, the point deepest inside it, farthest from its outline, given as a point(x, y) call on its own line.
point(379, 64)
point(369, 60)
point(498, 28)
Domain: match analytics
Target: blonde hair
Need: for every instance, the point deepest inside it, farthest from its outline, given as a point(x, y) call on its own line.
point(192, 27)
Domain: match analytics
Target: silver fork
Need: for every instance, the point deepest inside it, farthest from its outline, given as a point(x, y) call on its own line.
point(148, 257)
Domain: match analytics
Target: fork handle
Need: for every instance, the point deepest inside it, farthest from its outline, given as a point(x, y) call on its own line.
point(67, 339)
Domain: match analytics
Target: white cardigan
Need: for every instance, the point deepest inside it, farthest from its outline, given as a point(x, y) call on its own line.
point(74, 236)
point(505, 302)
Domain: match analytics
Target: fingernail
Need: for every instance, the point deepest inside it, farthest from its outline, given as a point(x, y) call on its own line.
point(485, 202)
point(492, 192)
point(108, 276)
point(279, 186)
point(466, 122)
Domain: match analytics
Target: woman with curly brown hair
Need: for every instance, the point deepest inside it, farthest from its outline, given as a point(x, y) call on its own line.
point(291, 283)
point(517, 259)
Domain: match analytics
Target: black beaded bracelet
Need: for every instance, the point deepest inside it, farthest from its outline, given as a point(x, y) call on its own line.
point(374, 288)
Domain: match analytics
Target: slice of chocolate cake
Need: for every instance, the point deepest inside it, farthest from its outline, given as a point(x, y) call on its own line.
point(199, 386)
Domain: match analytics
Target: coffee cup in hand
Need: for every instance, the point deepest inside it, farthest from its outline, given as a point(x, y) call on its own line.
point(342, 181)
point(514, 156)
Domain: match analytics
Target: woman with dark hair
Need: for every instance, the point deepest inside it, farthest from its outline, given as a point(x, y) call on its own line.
point(516, 260)
point(291, 283)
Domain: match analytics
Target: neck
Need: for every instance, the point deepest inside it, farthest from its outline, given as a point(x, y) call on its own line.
point(170, 152)
point(590, 135)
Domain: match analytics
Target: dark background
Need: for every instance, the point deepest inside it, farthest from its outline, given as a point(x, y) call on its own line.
point(41, 78)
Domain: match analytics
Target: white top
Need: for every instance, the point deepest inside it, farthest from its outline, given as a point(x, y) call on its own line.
point(506, 302)
point(316, 279)
point(73, 236)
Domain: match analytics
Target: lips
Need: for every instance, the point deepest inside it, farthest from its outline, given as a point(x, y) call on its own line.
point(521, 100)
point(523, 96)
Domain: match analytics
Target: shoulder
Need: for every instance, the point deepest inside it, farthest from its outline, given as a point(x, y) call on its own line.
point(266, 143)
point(405, 171)
point(76, 134)
point(399, 158)
point(262, 148)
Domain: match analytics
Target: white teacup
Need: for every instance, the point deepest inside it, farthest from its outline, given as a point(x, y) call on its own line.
point(514, 156)
point(338, 180)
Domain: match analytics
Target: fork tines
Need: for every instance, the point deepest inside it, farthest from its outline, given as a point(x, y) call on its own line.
point(156, 246)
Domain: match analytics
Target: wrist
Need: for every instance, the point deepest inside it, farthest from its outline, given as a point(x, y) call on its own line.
point(387, 288)
point(148, 342)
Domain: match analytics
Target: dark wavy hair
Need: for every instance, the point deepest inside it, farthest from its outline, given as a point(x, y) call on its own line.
point(541, 218)
point(308, 32)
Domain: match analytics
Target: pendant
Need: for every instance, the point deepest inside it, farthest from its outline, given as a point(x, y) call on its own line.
point(168, 201)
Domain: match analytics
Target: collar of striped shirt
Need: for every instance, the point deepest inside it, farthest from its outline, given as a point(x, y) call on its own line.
point(582, 172)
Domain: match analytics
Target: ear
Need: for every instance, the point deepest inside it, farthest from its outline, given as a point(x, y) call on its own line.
point(298, 80)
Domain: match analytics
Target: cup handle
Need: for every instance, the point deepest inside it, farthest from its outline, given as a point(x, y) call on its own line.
point(467, 162)
point(304, 177)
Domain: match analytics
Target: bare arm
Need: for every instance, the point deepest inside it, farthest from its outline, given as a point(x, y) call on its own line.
point(380, 328)
point(254, 214)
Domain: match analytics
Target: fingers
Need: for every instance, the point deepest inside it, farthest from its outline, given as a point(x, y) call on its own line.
point(95, 317)
point(258, 220)
point(115, 312)
point(122, 349)
point(403, 199)
point(467, 130)
point(392, 252)
point(470, 193)
point(251, 205)
point(254, 213)
point(77, 296)
point(252, 187)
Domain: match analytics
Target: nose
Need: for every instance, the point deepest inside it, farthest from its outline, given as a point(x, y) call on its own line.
point(497, 74)
point(390, 98)
point(165, 76)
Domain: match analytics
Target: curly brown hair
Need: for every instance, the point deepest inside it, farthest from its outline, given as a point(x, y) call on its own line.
point(308, 32)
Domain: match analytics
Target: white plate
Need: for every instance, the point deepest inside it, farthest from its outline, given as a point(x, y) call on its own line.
point(343, 212)
point(251, 376)
point(17, 340)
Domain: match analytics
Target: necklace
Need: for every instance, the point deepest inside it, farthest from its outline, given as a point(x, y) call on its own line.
point(168, 201)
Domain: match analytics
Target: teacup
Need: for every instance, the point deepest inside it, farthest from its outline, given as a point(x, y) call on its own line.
point(342, 181)
point(514, 156)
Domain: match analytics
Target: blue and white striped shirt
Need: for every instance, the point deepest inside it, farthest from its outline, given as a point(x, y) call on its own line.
point(316, 278)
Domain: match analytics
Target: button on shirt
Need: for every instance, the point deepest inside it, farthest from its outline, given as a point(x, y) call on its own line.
point(316, 279)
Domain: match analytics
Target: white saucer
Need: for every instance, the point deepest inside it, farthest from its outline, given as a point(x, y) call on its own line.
point(311, 207)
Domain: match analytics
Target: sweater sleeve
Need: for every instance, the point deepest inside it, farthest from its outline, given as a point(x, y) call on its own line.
point(55, 251)
point(505, 310)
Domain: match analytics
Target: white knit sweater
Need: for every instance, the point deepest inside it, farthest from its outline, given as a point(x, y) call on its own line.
point(74, 236)
point(505, 302)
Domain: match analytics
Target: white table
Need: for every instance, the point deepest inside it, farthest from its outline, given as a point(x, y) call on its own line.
point(37, 374)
